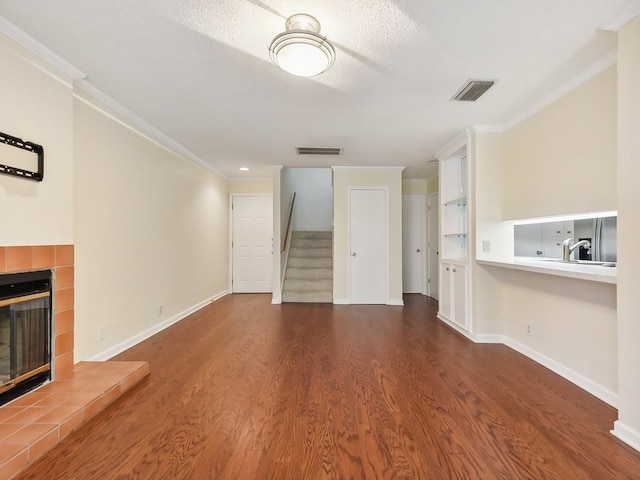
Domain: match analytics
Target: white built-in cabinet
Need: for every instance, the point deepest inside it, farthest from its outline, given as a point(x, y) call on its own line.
point(542, 239)
point(455, 233)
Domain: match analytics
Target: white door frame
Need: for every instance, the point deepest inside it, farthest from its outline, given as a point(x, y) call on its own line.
point(231, 197)
point(433, 241)
point(386, 253)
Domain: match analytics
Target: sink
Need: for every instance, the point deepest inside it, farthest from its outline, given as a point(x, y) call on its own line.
point(581, 262)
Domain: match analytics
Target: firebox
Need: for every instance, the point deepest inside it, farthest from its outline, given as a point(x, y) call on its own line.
point(25, 332)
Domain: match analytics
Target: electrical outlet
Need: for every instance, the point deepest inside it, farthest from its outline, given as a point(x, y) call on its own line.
point(528, 330)
point(486, 246)
point(159, 310)
point(102, 332)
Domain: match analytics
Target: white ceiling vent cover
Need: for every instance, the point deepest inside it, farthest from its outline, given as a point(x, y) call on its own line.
point(319, 150)
point(472, 90)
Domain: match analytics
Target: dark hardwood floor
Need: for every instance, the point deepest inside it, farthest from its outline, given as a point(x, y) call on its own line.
point(248, 390)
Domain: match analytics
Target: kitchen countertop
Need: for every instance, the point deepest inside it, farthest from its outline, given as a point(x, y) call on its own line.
point(594, 273)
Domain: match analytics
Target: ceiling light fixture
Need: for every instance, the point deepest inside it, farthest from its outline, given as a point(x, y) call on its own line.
point(244, 169)
point(301, 50)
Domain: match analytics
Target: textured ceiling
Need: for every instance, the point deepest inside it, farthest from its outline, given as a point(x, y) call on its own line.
point(199, 70)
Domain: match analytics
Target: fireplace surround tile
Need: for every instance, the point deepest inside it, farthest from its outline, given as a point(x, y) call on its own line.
point(19, 259)
point(43, 256)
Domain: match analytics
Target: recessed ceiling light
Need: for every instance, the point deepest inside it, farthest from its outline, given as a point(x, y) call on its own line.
point(244, 169)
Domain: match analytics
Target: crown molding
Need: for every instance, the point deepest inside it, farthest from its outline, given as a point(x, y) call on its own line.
point(622, 17)
point(127, 118)
point(14, 33)
point(459, 142)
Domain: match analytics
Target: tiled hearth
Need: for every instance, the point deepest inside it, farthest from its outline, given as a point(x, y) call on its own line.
point(37, 421)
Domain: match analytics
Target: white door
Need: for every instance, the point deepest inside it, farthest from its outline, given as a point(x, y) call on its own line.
point(413, 243)
point(433, 245)
point(368, 232)
point(252, 244)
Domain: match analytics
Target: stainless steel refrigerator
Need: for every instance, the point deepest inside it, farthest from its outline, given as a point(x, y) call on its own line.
point(602, 235)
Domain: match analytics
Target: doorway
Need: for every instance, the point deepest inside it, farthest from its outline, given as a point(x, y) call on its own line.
point(368, 240)
point(252, 244)
point(413, 258)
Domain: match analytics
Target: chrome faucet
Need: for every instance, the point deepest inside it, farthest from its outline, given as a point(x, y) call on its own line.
point(567, 248)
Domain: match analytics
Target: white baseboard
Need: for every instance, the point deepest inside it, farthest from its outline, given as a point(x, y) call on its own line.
point(456, 327)
point(341, 301)
point(627, 434)
point(500, 339)
point(130, 342)
point(396, 302)
point(574, 377)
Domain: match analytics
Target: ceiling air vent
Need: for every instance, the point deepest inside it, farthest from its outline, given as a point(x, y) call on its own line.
point(319, 150)
point(472, 90)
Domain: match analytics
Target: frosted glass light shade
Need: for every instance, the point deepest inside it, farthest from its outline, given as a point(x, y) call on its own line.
point(301, 50)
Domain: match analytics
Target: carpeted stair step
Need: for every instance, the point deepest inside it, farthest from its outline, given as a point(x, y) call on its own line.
point(310, 252)
point(309, 273)
point(307, 262)
point(317, 296)
point(310, 234)
point(311, 243)
point(299, 284)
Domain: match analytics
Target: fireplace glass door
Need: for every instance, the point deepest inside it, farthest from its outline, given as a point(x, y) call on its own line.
point(25, 345)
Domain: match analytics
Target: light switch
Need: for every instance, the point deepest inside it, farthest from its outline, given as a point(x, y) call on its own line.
point(486, 246)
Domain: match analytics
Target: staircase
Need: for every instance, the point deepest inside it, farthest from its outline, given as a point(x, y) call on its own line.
point(309, 275)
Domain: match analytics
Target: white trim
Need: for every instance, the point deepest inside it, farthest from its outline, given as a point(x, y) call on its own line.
point(127, 118)
point(627, 434)
point(276, 301)
point(622, 17)
point(435, 204)
point(456, 327)
point(596, 68)
point(130, 342)
point(341, 301)
point(574, 377)
point(38, 49)
point(499, 339)
point(396, 302)
point(459, 142)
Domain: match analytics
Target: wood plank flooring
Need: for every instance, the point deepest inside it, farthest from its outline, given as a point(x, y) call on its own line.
point(248, 390)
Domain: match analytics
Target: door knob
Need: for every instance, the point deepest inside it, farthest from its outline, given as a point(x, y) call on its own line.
point(354, 254)
point(418, 250)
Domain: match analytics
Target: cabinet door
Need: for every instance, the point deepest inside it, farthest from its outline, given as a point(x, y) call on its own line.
point(459, 282)
point(445, 290)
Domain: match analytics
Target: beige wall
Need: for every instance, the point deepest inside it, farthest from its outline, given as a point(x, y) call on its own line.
point(562, 160)
point(150, 229)
point(37, 107)
point(345, 177)
point(253, 186)
point(629, 232)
